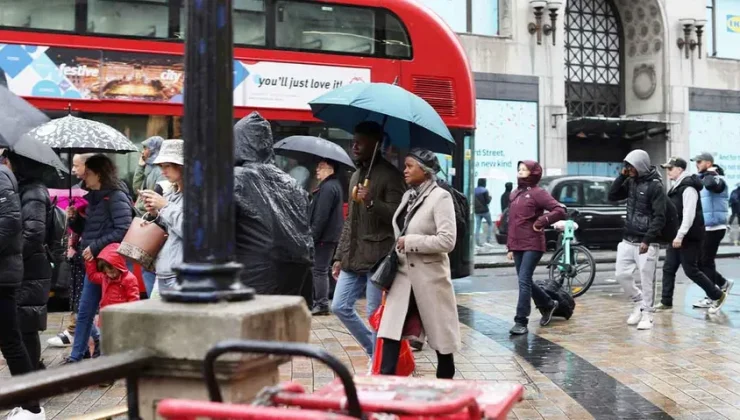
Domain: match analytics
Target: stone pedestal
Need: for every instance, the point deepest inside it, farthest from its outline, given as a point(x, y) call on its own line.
point(181, 334)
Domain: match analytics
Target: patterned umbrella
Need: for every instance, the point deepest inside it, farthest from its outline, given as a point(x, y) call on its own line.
point(82, 136)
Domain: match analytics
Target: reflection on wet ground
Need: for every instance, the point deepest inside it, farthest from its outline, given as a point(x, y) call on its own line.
point(600, 394)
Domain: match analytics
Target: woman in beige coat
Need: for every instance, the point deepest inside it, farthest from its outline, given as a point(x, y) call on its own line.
point(423, 285)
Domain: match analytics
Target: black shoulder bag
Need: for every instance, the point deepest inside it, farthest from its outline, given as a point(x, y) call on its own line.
point(384, 271)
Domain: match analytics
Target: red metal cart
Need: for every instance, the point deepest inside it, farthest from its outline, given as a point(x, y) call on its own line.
point(369, 397)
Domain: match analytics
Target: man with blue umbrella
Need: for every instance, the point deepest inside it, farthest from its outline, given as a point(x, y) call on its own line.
point(375, 193)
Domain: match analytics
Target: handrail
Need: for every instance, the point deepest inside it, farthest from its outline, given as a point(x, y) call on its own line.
point(60, 380)
point(277, 348)
point(108, 413)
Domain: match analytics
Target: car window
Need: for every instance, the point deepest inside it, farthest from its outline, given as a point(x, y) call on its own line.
point(568, 193)
point(596, 193)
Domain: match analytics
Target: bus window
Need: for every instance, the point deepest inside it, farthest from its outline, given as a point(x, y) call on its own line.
point(56, 15)
point(118, 17)
point(248, 18)
point(397, 44)
point(325, 27)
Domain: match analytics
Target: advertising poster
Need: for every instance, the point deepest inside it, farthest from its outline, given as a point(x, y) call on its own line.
point(141, 77)
point(716, 133)
point(507, 132)
point(291, 86)
point(51, 72)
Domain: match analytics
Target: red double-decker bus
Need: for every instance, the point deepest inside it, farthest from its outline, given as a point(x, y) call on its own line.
point(120, 62)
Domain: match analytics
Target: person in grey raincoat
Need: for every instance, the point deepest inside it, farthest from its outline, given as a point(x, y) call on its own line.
point(148, 176)
point(166, 210)
point(273, 234)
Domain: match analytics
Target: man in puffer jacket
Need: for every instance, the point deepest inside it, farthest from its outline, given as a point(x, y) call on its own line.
point(715, 205)
point(11, 276)
point(686, 247)
point(640, 184)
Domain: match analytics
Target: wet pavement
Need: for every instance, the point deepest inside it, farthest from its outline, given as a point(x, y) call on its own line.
point(592, 366)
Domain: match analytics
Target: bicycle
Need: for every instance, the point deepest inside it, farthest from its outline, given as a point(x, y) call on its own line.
point(566, 266)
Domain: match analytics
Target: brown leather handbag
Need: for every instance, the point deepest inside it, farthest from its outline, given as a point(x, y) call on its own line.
point(142, 242)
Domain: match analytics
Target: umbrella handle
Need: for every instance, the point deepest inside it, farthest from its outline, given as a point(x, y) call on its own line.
point(355, 190)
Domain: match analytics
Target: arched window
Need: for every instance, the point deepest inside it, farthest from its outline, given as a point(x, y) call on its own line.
point(593, 64)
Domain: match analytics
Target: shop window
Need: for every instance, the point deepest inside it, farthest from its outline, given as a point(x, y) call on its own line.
point(325, 27)
point(56, 15)
point(397, 43)
point(248, 20)
point(144, 18)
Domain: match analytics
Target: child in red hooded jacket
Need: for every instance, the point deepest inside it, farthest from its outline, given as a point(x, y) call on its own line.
point(110, 271)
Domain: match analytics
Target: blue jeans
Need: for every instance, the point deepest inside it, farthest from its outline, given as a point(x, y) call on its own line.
point(489, 227)
point(349, 289)
point(149, 279)
point(89, 303)
point(526, 262)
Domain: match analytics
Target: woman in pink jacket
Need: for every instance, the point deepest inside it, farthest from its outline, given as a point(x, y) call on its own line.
point(526, 241)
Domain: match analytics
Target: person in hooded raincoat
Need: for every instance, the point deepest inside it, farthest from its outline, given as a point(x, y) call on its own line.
point(273, 234)
point(525, 241)
point(637, 255)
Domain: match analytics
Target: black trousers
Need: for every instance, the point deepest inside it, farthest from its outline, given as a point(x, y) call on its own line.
point(688, 257)
point(709, 248)
point(11, 341)
point(392, 351)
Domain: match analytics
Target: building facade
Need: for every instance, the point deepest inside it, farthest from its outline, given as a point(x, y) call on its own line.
point(612, 76)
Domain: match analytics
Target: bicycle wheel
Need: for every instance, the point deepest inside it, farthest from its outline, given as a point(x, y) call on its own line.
point(577, 278)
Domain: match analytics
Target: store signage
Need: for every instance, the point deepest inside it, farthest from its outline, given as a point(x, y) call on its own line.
point(733, 23)
point(95, 74)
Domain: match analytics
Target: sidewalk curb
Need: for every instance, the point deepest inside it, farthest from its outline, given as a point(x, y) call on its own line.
point(598, 260)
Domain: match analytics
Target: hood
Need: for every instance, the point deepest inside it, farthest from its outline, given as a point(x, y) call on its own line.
point(535, 174)
point(508, 186)
point(640, 160)
point(153, 143)
point(253, 140)
point(110, 255)
point(689, 180)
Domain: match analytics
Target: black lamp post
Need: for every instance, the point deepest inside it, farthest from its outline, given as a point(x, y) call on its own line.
point(208, 272)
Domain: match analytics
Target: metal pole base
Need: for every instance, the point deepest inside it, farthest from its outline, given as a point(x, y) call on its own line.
point(208, 283)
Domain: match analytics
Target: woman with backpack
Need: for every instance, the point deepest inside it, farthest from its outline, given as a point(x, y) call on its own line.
point(33, 294)
point(525, 241)
point(109, 214)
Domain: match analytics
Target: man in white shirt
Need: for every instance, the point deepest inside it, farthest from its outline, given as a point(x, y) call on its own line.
point(686, 247)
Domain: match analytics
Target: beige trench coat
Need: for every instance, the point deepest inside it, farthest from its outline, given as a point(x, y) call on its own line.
point(425, 268)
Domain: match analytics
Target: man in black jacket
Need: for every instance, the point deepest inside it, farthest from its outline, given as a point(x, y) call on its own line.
point(686, 247)
point(11, 276)
point(640, 184)
point(326, 219)
point(482, 212)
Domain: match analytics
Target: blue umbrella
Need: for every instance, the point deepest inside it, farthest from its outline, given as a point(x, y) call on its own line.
point(408, 120)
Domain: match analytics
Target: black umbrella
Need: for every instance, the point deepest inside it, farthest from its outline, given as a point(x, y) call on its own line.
point(82, 136)
point(36, 151)
point(17, 117)
point(298, 147)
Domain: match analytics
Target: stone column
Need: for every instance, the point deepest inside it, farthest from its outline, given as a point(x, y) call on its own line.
point(182, 333)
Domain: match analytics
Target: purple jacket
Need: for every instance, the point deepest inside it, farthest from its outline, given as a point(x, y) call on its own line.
point(526, 210)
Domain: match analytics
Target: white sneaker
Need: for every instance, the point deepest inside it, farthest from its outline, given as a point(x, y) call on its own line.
point(63, 339)
point(717, 304)
point(635, 316)
point(728, 286)
point(20, 414)
point(704, 303)
point(646, 322)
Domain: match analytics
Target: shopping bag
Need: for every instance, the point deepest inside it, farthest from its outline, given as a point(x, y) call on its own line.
point(406, 363)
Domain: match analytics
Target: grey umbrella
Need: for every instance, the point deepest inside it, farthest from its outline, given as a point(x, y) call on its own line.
point(82, 136)
point(298, 147)
point(17, 117)
point(35, 150)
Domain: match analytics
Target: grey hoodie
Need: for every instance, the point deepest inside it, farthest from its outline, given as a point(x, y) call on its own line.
point(640, 160)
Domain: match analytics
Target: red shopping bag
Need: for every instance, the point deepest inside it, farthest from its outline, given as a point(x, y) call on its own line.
point(406, 363)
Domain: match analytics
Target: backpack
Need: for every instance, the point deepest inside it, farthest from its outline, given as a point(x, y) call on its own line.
point(459, 257)
point(672, 223)
point(56, 246)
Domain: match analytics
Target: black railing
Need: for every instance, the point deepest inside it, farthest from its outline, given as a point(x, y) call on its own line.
point(75, 376)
